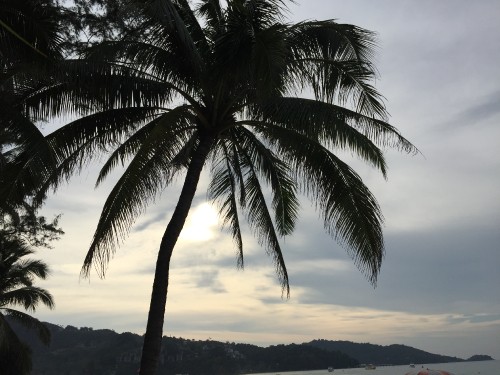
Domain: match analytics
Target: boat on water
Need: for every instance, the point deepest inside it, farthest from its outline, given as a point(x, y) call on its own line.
point(330, 369)
point(370, 367)
point(412, 365)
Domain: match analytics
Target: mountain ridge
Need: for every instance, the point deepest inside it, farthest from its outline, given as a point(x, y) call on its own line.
point(82, 351)
point(394, 354)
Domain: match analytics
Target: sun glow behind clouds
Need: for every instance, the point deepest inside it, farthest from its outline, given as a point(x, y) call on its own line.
point(201, 224)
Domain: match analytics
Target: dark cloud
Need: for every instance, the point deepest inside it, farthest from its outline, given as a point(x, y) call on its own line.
point(424, 272)
point(487, 108)
point(477, 113)
point(209, 280)
point(475, 318)
point(144, 224)
point(209, 321)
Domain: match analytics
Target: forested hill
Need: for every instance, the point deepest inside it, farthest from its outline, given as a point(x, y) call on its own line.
point(82, 351)
point(378, 354)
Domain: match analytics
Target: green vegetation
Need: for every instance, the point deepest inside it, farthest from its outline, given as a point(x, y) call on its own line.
point(82, 351)
point(176, 87)
point(29, 41)
point(380, 355)
point(86, 351)
point(16, 289)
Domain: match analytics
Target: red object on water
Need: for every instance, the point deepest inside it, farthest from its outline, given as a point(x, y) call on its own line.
point(428, 372)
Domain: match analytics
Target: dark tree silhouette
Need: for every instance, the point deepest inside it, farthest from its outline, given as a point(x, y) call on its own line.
point(220, 85)
point(16, 289)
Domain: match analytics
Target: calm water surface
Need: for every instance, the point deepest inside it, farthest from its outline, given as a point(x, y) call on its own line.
point(457, 368)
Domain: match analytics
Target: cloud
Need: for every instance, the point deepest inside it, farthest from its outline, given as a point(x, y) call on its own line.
point(475, 318)
point(151, 219)
point(209, 279)
point(485, 109)
point(457, 264)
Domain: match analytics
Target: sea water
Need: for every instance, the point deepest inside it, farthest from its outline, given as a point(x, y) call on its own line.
point(456, 368)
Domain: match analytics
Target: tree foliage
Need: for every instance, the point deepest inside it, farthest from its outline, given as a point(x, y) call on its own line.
point(30, 41)
point(178, 86)
point(17, 276)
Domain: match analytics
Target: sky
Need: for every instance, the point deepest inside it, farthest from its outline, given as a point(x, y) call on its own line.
point(438, 290)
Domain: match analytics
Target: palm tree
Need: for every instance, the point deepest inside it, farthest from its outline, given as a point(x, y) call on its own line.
point(30, 40)
point(16, 288)
point(221, 86)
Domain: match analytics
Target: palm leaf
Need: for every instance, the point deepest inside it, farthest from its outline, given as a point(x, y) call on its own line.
point(149, 171)
point(222, 188)
point(14, 354)
point(260, 219)
point(21, 38)
point(333, 124)
point(82, 87)
point(29, 322)
point(177, 31)
point(276, 173)
point(350, 212)
point(28, 296)
point(126, 150)
point(335, 60)
point(211, 12)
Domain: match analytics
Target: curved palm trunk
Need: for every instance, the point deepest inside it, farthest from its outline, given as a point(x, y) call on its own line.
point(154, 330)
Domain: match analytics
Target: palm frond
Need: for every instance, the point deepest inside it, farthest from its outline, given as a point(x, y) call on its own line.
point(149, 171)
point(83, 140)
point(350, 212)
point(21, 273)
point(212, 13)
point(29, 322)
point(84, 86)
point(21, 38)
point(222, 188)
point(159, 61)
point(177, 31)
point(335, 60)
point(126, 150)
point(28, 296)
point(30, 30)
point(188, 15)
point(261, 13)
point(276, 172)
point(14, 354)
point(260, 219)
point(331, 126)
point(29, 162)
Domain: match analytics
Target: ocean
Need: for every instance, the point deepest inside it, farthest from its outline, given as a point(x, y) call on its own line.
point(456, 368)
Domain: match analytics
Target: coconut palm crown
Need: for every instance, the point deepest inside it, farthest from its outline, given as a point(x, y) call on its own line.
point(234, 87)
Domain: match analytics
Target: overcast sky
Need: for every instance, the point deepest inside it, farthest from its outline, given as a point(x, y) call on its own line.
point(439, 286)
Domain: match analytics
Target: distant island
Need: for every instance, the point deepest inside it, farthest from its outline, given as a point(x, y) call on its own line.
point(82, 351)
point(389, 355)
point(480, 357)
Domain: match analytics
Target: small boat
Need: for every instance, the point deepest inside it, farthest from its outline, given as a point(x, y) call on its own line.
point(370, 367)
point(330, 369)
point(412, 365)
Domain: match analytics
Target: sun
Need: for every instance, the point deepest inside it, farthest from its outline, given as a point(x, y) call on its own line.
point(201, 224)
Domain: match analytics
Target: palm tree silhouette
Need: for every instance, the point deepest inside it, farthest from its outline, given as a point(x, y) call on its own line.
point(16, 289)
point(261, 101)
point(30, 42)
